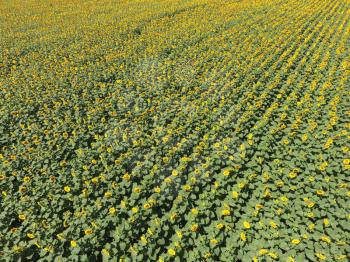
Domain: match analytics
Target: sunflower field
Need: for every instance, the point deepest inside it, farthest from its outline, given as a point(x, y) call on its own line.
point(175, 130)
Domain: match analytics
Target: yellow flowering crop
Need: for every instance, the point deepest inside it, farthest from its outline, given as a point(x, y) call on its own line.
point(171, 252)
point(295, 241)
point(174, 130)
point(246, 224)
point(73, 243)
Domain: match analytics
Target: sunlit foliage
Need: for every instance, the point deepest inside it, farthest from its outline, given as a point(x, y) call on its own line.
point(161, 130)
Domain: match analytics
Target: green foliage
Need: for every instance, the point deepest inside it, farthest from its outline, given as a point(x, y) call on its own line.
point(174, 130)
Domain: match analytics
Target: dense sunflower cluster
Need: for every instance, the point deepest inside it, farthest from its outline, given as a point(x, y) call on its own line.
point(171, 130)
